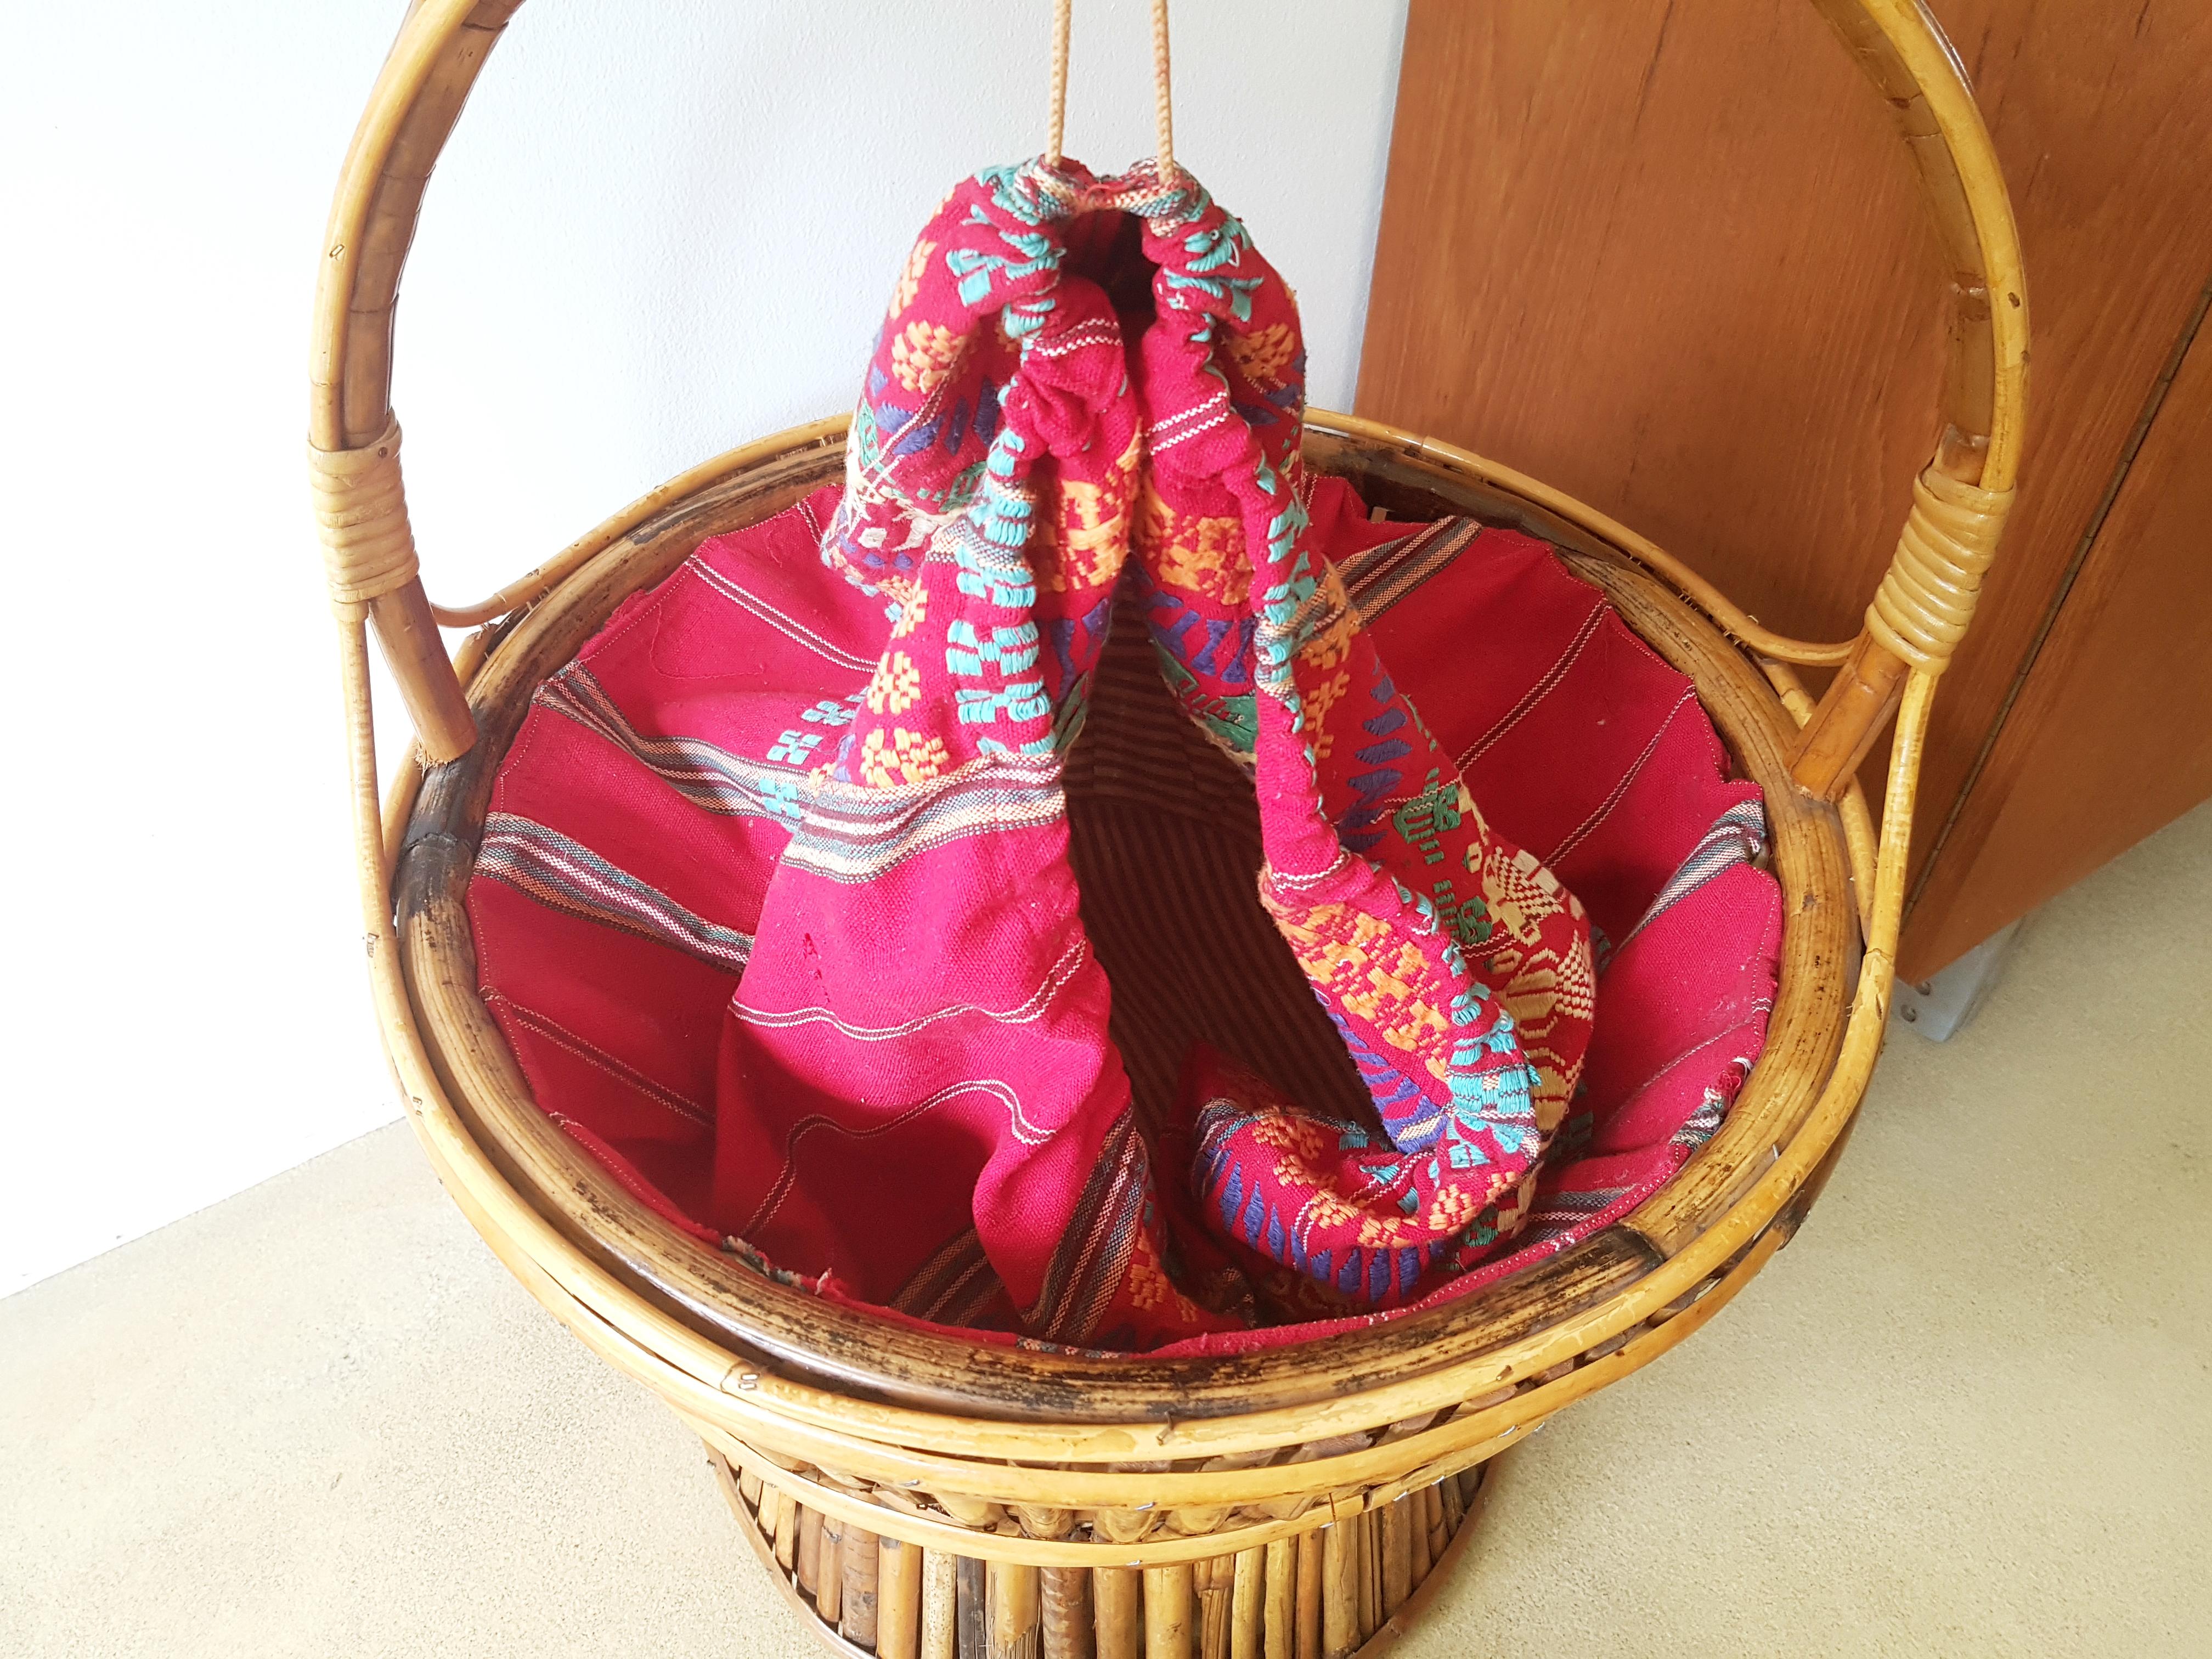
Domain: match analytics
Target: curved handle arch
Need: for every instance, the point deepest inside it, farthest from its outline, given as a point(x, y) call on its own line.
point(1919, 615)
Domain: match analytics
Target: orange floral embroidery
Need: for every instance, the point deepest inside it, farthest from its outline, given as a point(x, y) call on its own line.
point(1381, 1232)
point(923, 356)
point(1455, 1206)
point(913, 603)
point(1327, 1209)
point(901, 757)
point(1149, 1285)
point(1083, 537)
point(1349, 954)
point(1319, 700)
point(1261, 357)
point(895, 685)
point(909, 281)
point(1201, 556)
point(1301, 1137)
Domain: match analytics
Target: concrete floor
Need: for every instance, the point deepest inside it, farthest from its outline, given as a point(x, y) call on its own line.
point(1968, 1412)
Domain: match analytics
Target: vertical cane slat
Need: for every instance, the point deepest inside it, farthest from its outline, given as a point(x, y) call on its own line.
point(1118, 1600)
point(1341, 1572)
point(1215, 1584)
point(1248, 1605)
point(1217, 1607)
point(1429, 1533)
point(809, 1568)
point(1015, 1598)
point(1368, 1547)
point(856, 1620)
point(1280, 1609)
point(829, 1589)
point(1308, 1628)
point(975, 1633)
point(898, 1599)
point(1067, 1621)
point(940, 1613)
point(786, 1533)
point(1396, 1553)
point(1168, 1597)
point(764, 1514)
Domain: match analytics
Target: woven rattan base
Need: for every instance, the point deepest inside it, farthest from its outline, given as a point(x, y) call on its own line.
point(1346, 1591)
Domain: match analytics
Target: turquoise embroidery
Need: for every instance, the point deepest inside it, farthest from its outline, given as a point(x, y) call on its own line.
point(784, 798)
point(794, 748)
point(1022, 702)
point(1008, 584)
point(1283, 531)
point(1222, 245)
point(1012, 193)
point(1032, 252)
point(1237, 291)
point(1008, 650)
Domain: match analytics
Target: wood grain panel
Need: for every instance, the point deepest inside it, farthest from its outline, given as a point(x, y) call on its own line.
point(1653, 254)
point(2111, 734)
point(1670, 258)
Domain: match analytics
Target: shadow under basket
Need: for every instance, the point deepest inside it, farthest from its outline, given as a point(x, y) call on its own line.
point(926, 1497)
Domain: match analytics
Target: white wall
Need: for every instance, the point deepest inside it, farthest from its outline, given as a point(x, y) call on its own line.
point(662, 228)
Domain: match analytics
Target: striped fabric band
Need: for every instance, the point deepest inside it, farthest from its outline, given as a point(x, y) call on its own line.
point(1093, 1255)
point(853, 834)
point(703, 774)
point(1380, 577)
point(568, 877)
point(1558, 1212)
point(1738, 836)
point(956, 1286)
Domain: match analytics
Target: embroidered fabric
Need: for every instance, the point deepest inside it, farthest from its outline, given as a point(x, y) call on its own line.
point(1043, 913)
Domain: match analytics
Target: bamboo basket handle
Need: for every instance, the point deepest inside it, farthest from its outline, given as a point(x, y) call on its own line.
point(1919, 615)
point(1926, 600)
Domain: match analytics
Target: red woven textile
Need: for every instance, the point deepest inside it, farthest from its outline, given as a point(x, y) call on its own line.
point(776, 902)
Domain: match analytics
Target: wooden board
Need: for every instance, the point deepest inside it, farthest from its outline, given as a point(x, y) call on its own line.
point(1670, 258)
point(2111, 734)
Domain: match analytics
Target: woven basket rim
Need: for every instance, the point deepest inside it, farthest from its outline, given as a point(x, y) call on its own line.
point(757, 1319)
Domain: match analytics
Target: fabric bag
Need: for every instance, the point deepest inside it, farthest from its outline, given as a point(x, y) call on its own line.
point(916, 1089)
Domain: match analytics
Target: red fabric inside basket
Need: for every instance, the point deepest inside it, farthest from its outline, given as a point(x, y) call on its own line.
point(639, 815)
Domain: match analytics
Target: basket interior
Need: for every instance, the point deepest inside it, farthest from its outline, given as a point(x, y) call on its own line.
point(615, 1030)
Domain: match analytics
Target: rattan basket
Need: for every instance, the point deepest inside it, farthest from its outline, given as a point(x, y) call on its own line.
point(917, 1495)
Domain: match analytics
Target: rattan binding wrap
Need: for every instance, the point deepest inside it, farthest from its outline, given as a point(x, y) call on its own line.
point(1926, 600)
point(361, 510)
point(1012, 1502)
